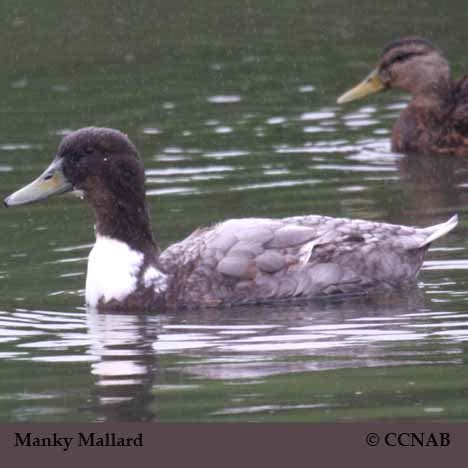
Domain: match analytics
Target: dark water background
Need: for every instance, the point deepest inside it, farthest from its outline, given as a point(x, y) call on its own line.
point(232, 105)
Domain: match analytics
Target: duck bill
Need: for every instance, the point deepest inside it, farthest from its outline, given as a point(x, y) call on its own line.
point(51, 182)
point(372, 84)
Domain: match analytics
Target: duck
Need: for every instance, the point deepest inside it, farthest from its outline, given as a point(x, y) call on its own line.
point(435, 122)
point(234, 262)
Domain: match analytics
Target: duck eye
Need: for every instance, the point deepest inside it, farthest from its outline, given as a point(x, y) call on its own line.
point(403, 56)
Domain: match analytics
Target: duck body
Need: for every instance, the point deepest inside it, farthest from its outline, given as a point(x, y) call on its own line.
point(240, 261)
point(438, 127)
point(436, 118)
point(255, 261)
point(251, 261)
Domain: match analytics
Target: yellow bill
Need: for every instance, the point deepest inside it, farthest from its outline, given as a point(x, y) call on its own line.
point(50, 182)
point(372, 84)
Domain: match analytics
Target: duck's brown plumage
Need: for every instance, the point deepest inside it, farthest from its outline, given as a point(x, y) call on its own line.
point(240, 261)
point(436, 119)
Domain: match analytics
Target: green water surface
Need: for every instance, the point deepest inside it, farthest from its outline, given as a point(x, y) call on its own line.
point(232, 105)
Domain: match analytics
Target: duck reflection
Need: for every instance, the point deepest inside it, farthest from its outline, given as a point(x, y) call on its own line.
point(126, 365)
point(245, 343)
point(433, 185)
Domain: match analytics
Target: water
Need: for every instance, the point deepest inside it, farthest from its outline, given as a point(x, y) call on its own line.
point(233, 109)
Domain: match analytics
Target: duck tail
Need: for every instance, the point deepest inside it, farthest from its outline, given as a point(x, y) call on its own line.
point(439, 230)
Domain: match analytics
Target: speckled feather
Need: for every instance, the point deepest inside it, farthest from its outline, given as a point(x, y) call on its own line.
point(247, 261)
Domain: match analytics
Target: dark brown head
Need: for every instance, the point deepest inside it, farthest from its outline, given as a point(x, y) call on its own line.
point(103, 165)
point(101, 157)
point(411, 64)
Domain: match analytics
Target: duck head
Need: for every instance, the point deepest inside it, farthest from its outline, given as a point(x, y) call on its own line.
point(88, 160)
point(103, 165)
point(410, 64)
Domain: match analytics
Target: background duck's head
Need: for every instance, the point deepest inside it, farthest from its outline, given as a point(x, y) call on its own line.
point(411, 64)
point(98, 162)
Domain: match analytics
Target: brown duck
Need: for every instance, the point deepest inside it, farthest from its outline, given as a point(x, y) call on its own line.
point(436, 119)
point(239, 261)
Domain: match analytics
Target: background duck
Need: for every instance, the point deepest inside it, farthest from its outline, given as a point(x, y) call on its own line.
point(240, 261)
point(436, 119)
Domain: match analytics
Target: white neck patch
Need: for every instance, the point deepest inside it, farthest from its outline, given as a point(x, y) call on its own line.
point(113, 269)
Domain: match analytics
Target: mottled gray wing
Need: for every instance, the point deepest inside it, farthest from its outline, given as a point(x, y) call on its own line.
point(259, 260)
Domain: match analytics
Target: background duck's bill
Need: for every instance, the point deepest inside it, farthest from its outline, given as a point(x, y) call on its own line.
point(50, 182)
point(372, 84)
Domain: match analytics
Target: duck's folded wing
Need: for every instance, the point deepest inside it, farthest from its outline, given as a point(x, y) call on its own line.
point(258, 260)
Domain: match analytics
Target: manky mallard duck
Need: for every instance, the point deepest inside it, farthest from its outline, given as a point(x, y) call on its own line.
point(436, 119)
point(240, 261)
